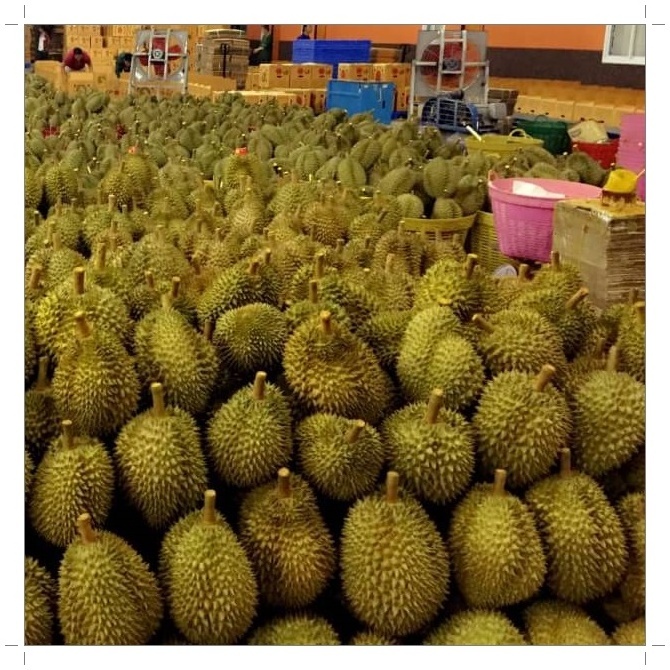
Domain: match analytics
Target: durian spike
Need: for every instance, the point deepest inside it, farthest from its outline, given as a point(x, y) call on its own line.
point(56, 241)
point(326, 322)
point(158, 399)
point(83, 326)
point(566, 465)
point(149, 276)
point(258, 391)
point(101, 257)
point(209, 508)
point(524, 269)
point(640, 312)
point(284, 483)
point(435, 403)
point(35, 277)
point(267, 256)
point(68, 433)
point(208, 330)
point(612, 359)
point(499, 479)
point(254, 266)
point(546, 374)
point(470, 265)
point(79, 274)
point(482, 323)
point(577, 298)
point(368, 242)
point(555, 260)
point(313, 291)
point(392, 486)
point(388, 268)
point(319, 265)
point(85, 529)
point(42, 374)
point(111, 203)
point(176, 283)
point(633, 295)
point(354, 432)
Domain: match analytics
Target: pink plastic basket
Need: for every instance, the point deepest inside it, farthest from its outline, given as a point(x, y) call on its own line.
point(525, 224)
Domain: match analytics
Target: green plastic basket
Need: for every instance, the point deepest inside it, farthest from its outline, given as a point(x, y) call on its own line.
point(553, 133)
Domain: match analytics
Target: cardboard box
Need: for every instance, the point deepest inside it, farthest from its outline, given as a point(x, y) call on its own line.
point(303, 97)
point(354, 71)
point(274, 75)
point(401, 99)
point(321, 74)
point(97, 42)
point(397, 73)
point(319, 100)
point(301, 76)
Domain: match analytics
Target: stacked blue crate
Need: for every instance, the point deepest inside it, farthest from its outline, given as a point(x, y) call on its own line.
point(332, 52)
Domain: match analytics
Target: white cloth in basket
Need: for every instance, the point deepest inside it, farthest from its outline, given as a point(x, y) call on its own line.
point(533, 190)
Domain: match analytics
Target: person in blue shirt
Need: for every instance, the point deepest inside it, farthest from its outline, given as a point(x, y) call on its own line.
point(304, 33)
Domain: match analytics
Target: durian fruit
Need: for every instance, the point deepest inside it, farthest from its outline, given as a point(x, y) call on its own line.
point(556, 623)
point(212, 590)
point(39, 589)
point(342, 458)
point(407, 248)
point(384, 333)
point(107, 595)
point(519, 340)
point(295, 630)
point(160, 463)
point(631, 342)
point(303, 310)
point(559, 276)
point(521, 424)
point(249, 437)
point(431, 448)
point(332, 370)
point(394, 564)
point(495, 547)
point(250, 337)
point(28, 473)
point(170, 351)
point(367, 638)
point(287, 542)
point(75, 474)
point(632, 633)
point(95, 381)
point(41, 421)
point(581, 532)
point(609, 419)
point(476, 627)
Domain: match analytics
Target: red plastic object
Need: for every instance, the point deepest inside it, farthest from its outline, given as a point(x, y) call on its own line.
point(603, 152)
point(242, 151)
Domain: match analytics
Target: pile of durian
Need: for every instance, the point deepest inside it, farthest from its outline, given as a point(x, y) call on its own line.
point(258, 411)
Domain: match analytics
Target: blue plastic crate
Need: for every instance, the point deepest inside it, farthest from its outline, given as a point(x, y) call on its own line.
point(332, 52)
point(362, 96)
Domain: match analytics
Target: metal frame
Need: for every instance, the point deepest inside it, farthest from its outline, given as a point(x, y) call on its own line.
point(445, 37)
point(629, 59)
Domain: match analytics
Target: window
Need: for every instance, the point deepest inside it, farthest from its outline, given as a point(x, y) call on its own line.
point(624, 44)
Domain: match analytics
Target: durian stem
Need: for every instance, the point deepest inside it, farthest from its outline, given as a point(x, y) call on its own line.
point(470, 265)
point(566, 465)
point(339, 246)
point(312, 233)
point(368, 242)
point(83, 326)
point(354, 432)
point(390, 259)
point(545, 376)
point(35, 277)
point(254, 267)
point(209, 509)
point(158, 399)
point(149, 276)
point(600, 347)
point(499, 479)
point(79, 281)
point(166, 301)
point(284, 483)
point(259, 386)
point(482, 323)
point(160, 234)
point(313, 291)
point(68, 433)
point(633, 295)
point(326, 322)
point(56, 241)
point(524, 269)
point(218, 235)
point(111, 203)
point(101, 257)
point(555, 260)
point(319, 266)
point(42, 374)
point(267, 256)
point(37, 218)
point(381, 216)
point(85, 530)
point(434, 405)
point(577, 298)
point(176, 283)
point(208, 330)
point(640, 312)
point(612, 359)
point(392, 486)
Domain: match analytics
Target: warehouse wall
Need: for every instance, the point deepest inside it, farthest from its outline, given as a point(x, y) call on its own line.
point(562, 52)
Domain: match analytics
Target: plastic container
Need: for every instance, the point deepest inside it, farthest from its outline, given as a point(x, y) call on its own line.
point(332, 52)
point(554, 134)
point(502, 145)
point(440, 229)
point(524, 224)
point(361, 96)
point(603, 152)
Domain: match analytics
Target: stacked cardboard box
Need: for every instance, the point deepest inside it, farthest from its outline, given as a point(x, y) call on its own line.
point(223, 53)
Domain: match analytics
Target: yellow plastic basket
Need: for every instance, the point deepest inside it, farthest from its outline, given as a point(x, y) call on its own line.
point(484, 242)
point(502, 145)
point(440, 229)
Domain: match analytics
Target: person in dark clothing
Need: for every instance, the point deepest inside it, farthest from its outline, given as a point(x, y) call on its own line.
point(304, 33)
point(263, 52)
point(123, 63)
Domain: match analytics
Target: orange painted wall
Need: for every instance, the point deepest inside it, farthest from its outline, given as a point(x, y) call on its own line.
point(578, 37)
